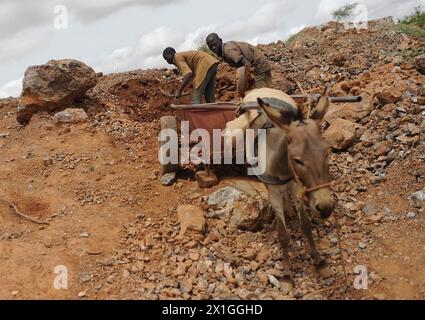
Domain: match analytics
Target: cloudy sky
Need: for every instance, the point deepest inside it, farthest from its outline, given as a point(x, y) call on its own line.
point(121, 35)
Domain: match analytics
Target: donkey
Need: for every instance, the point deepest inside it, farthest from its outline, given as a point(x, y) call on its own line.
point(296, 169)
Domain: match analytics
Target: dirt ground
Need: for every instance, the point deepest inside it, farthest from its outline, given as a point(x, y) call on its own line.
point(85, 160)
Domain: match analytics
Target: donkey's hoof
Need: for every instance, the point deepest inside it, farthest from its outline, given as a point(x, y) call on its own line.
point(323, 269)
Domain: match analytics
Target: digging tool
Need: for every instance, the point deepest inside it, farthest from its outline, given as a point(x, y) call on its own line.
point(170, 95)
point(302, 97)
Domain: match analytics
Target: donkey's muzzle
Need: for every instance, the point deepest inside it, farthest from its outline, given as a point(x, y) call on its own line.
point(325, 209)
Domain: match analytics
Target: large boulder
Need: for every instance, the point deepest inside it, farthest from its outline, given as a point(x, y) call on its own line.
point(70, 116)
point(341, 134)
point(56, 84)
point(350, 111)
point(242, 206)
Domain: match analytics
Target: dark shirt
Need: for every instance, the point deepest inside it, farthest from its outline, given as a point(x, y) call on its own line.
point(234, 51)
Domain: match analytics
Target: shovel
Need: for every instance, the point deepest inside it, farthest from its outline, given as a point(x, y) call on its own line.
point(170, 95)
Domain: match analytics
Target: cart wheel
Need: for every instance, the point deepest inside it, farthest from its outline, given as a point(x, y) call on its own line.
point(168, 122)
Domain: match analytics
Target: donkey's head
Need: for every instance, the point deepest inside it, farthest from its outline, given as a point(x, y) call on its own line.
point(307, 152)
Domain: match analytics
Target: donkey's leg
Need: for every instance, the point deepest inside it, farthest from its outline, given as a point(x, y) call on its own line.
point(276, 199)
point(320, 263)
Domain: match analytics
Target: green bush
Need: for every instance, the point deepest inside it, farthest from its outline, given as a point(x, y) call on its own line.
point(291, 39)
point(416, 18)
point(343, 13)
point(204, 47)
point(411, 30)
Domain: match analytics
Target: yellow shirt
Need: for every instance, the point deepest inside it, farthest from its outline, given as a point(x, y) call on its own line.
point(196, 62)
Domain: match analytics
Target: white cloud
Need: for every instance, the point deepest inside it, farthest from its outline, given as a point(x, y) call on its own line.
point(147, 53)
point(89, 11)
point(17, 16)
point(11, 89)
point(20, 45)
point(26, 29)
point(275, 20)
point(144, 54)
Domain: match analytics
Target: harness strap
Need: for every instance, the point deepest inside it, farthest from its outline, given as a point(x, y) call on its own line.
point(272, 180)
point(264, 177)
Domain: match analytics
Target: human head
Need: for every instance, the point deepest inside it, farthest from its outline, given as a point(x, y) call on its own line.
point(168, 54)
point(215, 43)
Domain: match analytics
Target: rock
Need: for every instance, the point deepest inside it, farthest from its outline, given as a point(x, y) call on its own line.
point(70, 116)
point(350, 111)
point(411, 215)
point(224, 196)
point(375, 218)
point(227, 271)
point(194, 256)
point(420, 64)
point(168, 179)
point(249, 254)
point(417, 199)
point(203, 266)
point(362, 245)
point(285, 287)
point(262, 256)
point(85, 277)
point(388, 96)
point(47, 161)
point(354, 206)
point(274, 281)
point(190, 218)
point(245, 211)
point(379, 296)
point(186, 285)
point(84, 235)
point(413, 129)
point(206, 180)
point(180, 270)
point(339, 59)
point(348, 85)
point(382, 148)
point(338, 91)
point(418, 196)
point(56, 84)
point(370, 210)
point(126, 273)
point(341, 134)
point(262, 277)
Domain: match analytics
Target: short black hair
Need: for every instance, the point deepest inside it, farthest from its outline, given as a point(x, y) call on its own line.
point(212, 37)
point(168, 51)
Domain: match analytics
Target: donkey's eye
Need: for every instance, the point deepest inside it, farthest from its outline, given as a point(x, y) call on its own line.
point(299, 161)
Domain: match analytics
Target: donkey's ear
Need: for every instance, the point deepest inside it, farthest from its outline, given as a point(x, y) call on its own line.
point(276, 117)
point(321, 107)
